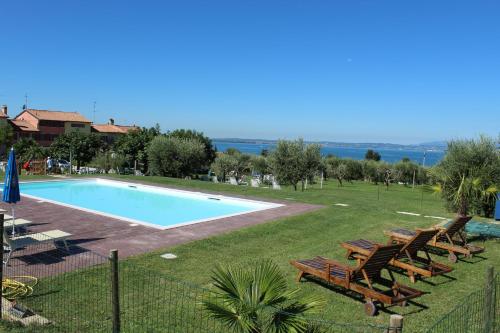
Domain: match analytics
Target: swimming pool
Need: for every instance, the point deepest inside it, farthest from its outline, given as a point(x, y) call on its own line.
point(158, 207)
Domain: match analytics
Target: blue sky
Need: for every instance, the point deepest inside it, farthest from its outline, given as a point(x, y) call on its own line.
point(379, 71)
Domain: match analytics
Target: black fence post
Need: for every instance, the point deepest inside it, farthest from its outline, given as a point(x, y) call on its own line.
point(489, 300)
point(1, 266)
point(115, 290)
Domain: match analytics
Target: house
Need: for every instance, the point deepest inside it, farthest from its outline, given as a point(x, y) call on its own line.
point(44, 126)
point(110, 132)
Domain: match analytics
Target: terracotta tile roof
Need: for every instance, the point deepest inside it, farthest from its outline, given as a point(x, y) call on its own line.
point(58, 115)
point(108, 128)
point(24, 126)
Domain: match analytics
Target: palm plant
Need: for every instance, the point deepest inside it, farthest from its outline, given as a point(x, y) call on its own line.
point(257, 300)
point(469, 175)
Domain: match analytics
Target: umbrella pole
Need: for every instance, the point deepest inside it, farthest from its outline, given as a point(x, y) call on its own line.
point(13, 221)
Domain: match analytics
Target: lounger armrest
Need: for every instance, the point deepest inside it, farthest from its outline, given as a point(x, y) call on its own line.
point(439, 227)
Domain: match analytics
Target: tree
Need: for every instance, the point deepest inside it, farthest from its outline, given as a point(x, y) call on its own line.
point(405, 171)
point(134, 145)
point(223, 165)
point(232, 151)
point(242, 165)
point(372, 155)
point(260, 165)
point(176, 157)
point(28, 149)
point(293, 162)
point(469, 176)
point(108, 160)
point(192, 134)
point(354, 169)
point(385, 173)
point(311, 162)
point(6, 134)
point(80, 146)
point(257, 300)
point(340, 172)
point(370, 173)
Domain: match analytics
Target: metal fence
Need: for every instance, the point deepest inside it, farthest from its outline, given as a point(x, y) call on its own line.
point(478, 313)
point(74, 293)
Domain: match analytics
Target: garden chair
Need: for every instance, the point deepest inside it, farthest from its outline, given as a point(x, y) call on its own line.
point(18, 242)
point(450, 238)
point(407, 258)
point(364, 279)
point(233, 181)
point(19, 223)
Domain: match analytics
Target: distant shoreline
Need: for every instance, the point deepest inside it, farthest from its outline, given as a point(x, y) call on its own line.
point(437, 146)
point(389, 153)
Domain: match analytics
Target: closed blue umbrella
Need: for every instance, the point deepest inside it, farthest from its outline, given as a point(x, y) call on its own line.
point(11, 192)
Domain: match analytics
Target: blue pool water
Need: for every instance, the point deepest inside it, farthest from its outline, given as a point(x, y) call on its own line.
point(159, 207)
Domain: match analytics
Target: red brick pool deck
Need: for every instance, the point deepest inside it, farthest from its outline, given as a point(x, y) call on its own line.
point(99, 234)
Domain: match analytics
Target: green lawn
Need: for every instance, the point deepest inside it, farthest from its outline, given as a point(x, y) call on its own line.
point(371, 210)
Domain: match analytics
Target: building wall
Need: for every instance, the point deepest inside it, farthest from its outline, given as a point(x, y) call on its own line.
point(108, 137)
point(70, 127)
point(26, 116)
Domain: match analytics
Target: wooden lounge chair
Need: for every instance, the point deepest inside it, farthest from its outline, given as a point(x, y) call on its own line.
point(407, 258)
point(363, 279)
point(450, 238)
point(18, 242)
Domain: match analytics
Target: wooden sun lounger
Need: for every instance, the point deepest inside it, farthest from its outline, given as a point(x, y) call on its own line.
point(450, 238)
point(363, 278)
point(407, 258)
point(19, 242)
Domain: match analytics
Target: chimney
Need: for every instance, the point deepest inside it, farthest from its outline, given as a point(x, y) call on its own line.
point(4, 110)
point(111, 121)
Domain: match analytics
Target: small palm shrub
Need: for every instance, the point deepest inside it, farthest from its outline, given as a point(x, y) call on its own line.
point(257, 300)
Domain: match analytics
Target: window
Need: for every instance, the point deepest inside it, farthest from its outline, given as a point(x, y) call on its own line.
point(49, 137)
point(51, 123)
point(78, 125)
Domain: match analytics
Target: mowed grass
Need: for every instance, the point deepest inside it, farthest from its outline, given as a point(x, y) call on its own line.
point(371, 210)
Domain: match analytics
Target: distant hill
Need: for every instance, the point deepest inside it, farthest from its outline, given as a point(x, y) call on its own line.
point(443, 144)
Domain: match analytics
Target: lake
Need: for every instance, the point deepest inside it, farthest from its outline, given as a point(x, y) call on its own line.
point(388, 155)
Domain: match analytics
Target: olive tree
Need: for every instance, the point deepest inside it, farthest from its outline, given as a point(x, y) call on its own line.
point(108, 160)
point(294, 161)
point(260, 165)
point(223, 165)
point(468, 177)
point(176, 157)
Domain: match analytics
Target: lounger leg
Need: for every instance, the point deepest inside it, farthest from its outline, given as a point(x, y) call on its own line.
point(66, 245)
point(300, 275)
point(411, 275)
point(8, 257)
